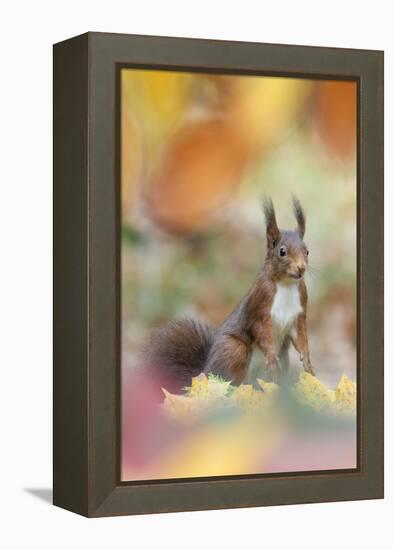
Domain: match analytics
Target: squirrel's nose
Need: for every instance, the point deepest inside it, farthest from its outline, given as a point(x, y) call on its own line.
point(301, 269)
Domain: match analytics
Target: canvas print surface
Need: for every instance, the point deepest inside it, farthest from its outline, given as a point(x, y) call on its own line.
point(238, 274)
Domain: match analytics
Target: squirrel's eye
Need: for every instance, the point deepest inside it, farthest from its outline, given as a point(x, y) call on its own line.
point(282, 251)
point(308, 252)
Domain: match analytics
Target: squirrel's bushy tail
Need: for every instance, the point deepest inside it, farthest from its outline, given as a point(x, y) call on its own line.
point(178, 351)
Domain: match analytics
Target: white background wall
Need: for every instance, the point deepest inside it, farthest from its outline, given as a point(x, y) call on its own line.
point(28, 29)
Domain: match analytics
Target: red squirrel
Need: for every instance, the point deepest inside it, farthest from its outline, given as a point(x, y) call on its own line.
point(272, 315)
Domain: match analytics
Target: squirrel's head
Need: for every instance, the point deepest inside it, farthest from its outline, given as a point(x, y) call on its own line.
point(286, 251)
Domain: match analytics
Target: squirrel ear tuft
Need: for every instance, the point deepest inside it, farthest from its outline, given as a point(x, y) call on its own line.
point(299, 215)
point(272, 231)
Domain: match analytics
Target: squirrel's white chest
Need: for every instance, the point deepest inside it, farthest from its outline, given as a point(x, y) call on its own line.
point(285, 308)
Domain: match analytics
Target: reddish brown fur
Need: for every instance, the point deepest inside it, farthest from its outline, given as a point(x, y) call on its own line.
point(251, 321)
point(300, 342)
point(187, 347)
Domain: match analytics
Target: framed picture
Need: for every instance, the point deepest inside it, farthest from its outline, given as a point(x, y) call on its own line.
point(218, 274)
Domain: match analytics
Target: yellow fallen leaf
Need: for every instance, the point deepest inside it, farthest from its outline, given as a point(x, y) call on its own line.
point(346, 394)
point(311, 391)
point(270, 388)
point(208, 387)
point(208, 393)
point(176, 406)
point(243, 392)
point(248, 399)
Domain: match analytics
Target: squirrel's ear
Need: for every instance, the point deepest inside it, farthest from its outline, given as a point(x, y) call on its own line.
point(272, 232)
point(300, 217)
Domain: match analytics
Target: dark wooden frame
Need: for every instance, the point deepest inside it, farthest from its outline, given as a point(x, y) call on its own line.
point(86, 274)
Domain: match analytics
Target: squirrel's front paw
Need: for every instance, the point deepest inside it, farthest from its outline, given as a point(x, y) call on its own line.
point(309, 368)
point(273, 368)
